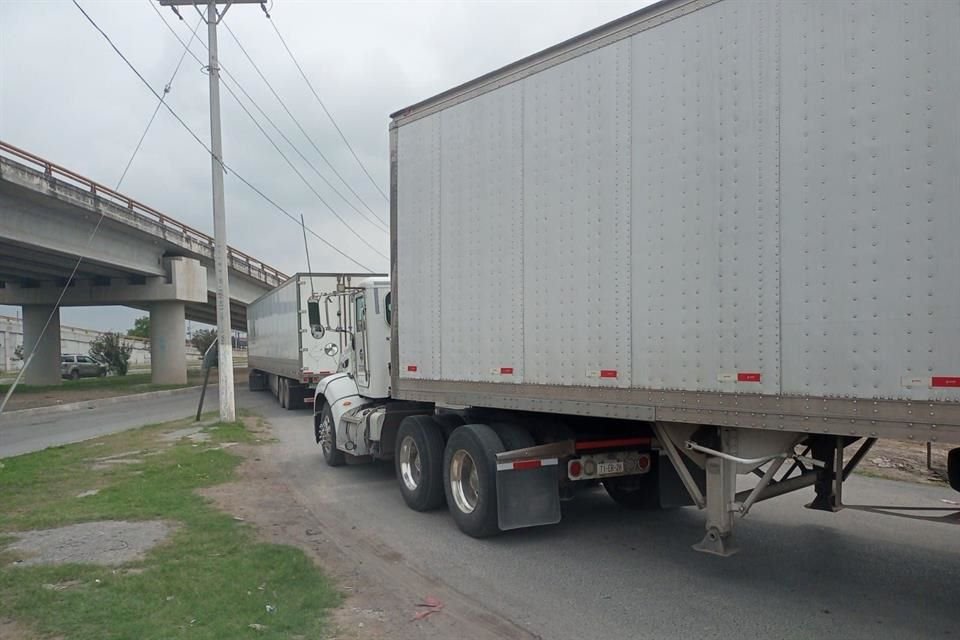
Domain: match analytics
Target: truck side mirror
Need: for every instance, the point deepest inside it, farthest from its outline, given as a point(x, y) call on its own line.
point(313, 314)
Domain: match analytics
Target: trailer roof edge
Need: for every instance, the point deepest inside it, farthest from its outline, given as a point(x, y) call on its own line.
point(656, 13)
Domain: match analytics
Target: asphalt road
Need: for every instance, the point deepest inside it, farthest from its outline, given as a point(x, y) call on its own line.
point(22, 435)
point(608, 573)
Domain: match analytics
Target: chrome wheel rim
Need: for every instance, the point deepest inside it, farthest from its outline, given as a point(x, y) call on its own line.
point(326, 435)
point(464, 481)
point(411, 469)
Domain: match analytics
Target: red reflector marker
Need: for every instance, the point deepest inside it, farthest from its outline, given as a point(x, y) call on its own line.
point(748, 377)
point(506, 371)
point(411, 367)
point(526, 464)
point(575, 468)
point(608, 373)
point(945, 381)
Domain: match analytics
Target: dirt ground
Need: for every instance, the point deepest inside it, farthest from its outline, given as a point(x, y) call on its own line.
point(907, 461)
point(384, 596)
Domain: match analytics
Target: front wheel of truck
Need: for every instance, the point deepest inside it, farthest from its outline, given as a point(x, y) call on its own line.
point(327, 439)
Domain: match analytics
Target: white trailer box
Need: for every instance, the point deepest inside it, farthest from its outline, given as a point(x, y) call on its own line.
point(284, 355)
point(731, 212)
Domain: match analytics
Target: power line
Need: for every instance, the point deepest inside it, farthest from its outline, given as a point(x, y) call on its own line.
point(323, 106)
point(297, 171)
point(300, 175)
point(373, 220)
point(199, 141)
point(166, 90)
point(283, 104)
point(96, 227)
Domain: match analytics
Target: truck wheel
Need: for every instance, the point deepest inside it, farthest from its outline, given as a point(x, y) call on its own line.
point(448, 422)
point(327, 438)
point(470, 479)
point(953, 468)
point(641, 493)
point(419, 462)
point(513, 436)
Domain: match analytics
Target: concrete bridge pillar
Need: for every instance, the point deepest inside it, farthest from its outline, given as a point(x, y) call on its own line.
point(45, 366)
point(168, 350)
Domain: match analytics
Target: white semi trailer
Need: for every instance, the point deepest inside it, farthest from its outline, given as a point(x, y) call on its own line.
point(712, 239)
point(286, 356)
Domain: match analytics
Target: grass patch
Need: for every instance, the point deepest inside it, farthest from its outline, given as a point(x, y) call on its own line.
point(212, 579)
point(132, 381)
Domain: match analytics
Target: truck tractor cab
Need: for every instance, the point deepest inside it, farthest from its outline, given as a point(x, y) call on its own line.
point(352, 407)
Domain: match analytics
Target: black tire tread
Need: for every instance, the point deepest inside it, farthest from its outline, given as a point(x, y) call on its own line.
point(428, 435)
point(335, 458)
point(953, 468)
point(483, 444)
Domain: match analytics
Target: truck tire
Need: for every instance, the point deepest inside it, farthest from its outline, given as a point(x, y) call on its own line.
point(419, 462)
point(295, 396)
point(448, 422)
point(641, 493)
point(513, 436)
point(953, 468)
point(284, 393)
point(470, 479)
point(326, 434)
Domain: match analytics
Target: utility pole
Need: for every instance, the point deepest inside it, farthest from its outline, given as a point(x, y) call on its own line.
point(228, 409)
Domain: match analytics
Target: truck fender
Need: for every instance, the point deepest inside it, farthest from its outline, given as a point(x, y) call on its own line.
point(341, 393)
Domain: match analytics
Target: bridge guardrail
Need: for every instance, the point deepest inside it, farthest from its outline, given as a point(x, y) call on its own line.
point(51, 170)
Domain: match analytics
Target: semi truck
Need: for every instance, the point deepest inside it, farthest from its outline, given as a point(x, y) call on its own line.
point(704, 254)
point(287, 352)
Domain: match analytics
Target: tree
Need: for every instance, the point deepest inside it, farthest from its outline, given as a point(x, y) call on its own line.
point(202, 339)
point(141, 328)
point(112, 350)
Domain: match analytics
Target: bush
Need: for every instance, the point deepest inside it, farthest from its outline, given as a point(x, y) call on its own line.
point(202, 339)
point(112, 350)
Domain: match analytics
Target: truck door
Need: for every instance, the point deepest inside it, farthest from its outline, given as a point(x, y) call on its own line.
point(363, 374)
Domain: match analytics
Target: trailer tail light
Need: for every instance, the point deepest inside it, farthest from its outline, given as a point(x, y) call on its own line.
point(596, 466)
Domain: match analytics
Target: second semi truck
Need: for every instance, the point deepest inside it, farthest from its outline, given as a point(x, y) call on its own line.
point(710, 241)
point(287, 356)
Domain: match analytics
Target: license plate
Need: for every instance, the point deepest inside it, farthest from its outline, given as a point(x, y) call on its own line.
point(609, 468)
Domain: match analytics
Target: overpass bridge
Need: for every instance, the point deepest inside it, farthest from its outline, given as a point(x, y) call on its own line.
point(138, 258)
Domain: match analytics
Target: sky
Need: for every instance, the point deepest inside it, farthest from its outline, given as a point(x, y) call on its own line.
point(67, 96)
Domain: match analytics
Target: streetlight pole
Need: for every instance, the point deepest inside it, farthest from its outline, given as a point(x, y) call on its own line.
point(228, 409)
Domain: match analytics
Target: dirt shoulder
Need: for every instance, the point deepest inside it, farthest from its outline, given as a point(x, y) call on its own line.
point(906, 461)
point(385, 596)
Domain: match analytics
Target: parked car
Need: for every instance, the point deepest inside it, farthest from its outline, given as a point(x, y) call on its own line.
point(76, 366)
